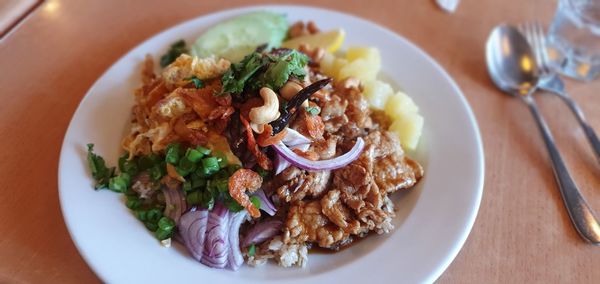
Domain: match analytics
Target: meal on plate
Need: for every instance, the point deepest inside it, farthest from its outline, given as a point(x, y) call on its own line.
point(261, 141)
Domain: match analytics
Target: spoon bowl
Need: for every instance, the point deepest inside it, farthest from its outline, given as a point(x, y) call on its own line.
point(510, 61)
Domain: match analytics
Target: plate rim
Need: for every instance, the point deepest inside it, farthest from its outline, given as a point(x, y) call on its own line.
point(480, 154)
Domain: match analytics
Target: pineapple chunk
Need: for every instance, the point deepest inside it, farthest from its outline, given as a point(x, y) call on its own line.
point(360, 69)
point(377, 93)
point(370, 54)
point(400, 104)
point(331, 65)
point(327, 63)
point(338, 64)
point(408, 128)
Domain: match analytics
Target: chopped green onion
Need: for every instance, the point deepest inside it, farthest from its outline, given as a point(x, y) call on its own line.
point(166, 223)
point(198, 182)
point(222, 185)
point(255, 201)
point(231, 204)
point(158, 171)
point(202, 198)
point(133, 202)
point(221, 174)
point(128, 166)
point(151, 226)
point(208, 200)
point(172, 153)
point(119, 183)
point(252, 250)
point(185, 167)
point(194, 198)
point(122, 160)
point(203, 150)
point(163, 234)
point(210, 186)
point(154, 215)
point(232, 168)
point(199, 173)
point(147, 161)
point(210, 165)
point(193, 155)
point(221, 159)
point(142, 215)
point(187, 186)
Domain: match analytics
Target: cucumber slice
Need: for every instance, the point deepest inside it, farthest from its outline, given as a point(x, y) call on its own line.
point(237, 37)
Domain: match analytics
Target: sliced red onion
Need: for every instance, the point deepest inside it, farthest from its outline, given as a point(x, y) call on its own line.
point(175, 203)
point(281, 164)
point(262, 232)
point(213, 238)
point(293, 138)
point(330, 164)
point(235, 258)
point(192, 228)
point(265, 202)
point(216, 243)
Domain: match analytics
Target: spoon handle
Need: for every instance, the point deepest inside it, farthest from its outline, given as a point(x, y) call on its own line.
point(587, 129)
point(580, 213)
point(554, 85)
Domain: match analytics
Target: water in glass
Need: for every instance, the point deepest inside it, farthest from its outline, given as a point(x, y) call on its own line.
point(574, 39)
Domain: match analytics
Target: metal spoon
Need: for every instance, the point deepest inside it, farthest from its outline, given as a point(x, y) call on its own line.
point(513, 69)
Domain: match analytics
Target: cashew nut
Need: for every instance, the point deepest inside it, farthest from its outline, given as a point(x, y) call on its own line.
point(290, 89)
point(258, 128)
point(267, 112)
point(312, 28)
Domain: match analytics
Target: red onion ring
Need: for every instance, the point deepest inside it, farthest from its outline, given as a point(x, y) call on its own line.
point(213, 238)
point(262, 232)
point(265, 202)
point(192, 228)
point(175, 203)
point(216, 243)
point(235, 258)
point(281, 164)
point(294, 138)
point(331, 164)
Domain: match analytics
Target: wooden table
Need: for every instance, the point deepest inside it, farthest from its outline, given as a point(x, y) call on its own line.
point(522, 233)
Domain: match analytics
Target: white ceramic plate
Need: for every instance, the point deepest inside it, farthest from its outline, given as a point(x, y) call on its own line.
point(433, 221)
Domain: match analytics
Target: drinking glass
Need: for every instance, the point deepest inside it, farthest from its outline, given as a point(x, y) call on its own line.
point(574, 39)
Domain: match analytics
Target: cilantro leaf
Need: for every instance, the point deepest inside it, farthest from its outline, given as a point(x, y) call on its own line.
point(197, 82)
point(100, 172)
point(238, 74)
point(290, 63)
point(313, 110)
point(258, 70)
